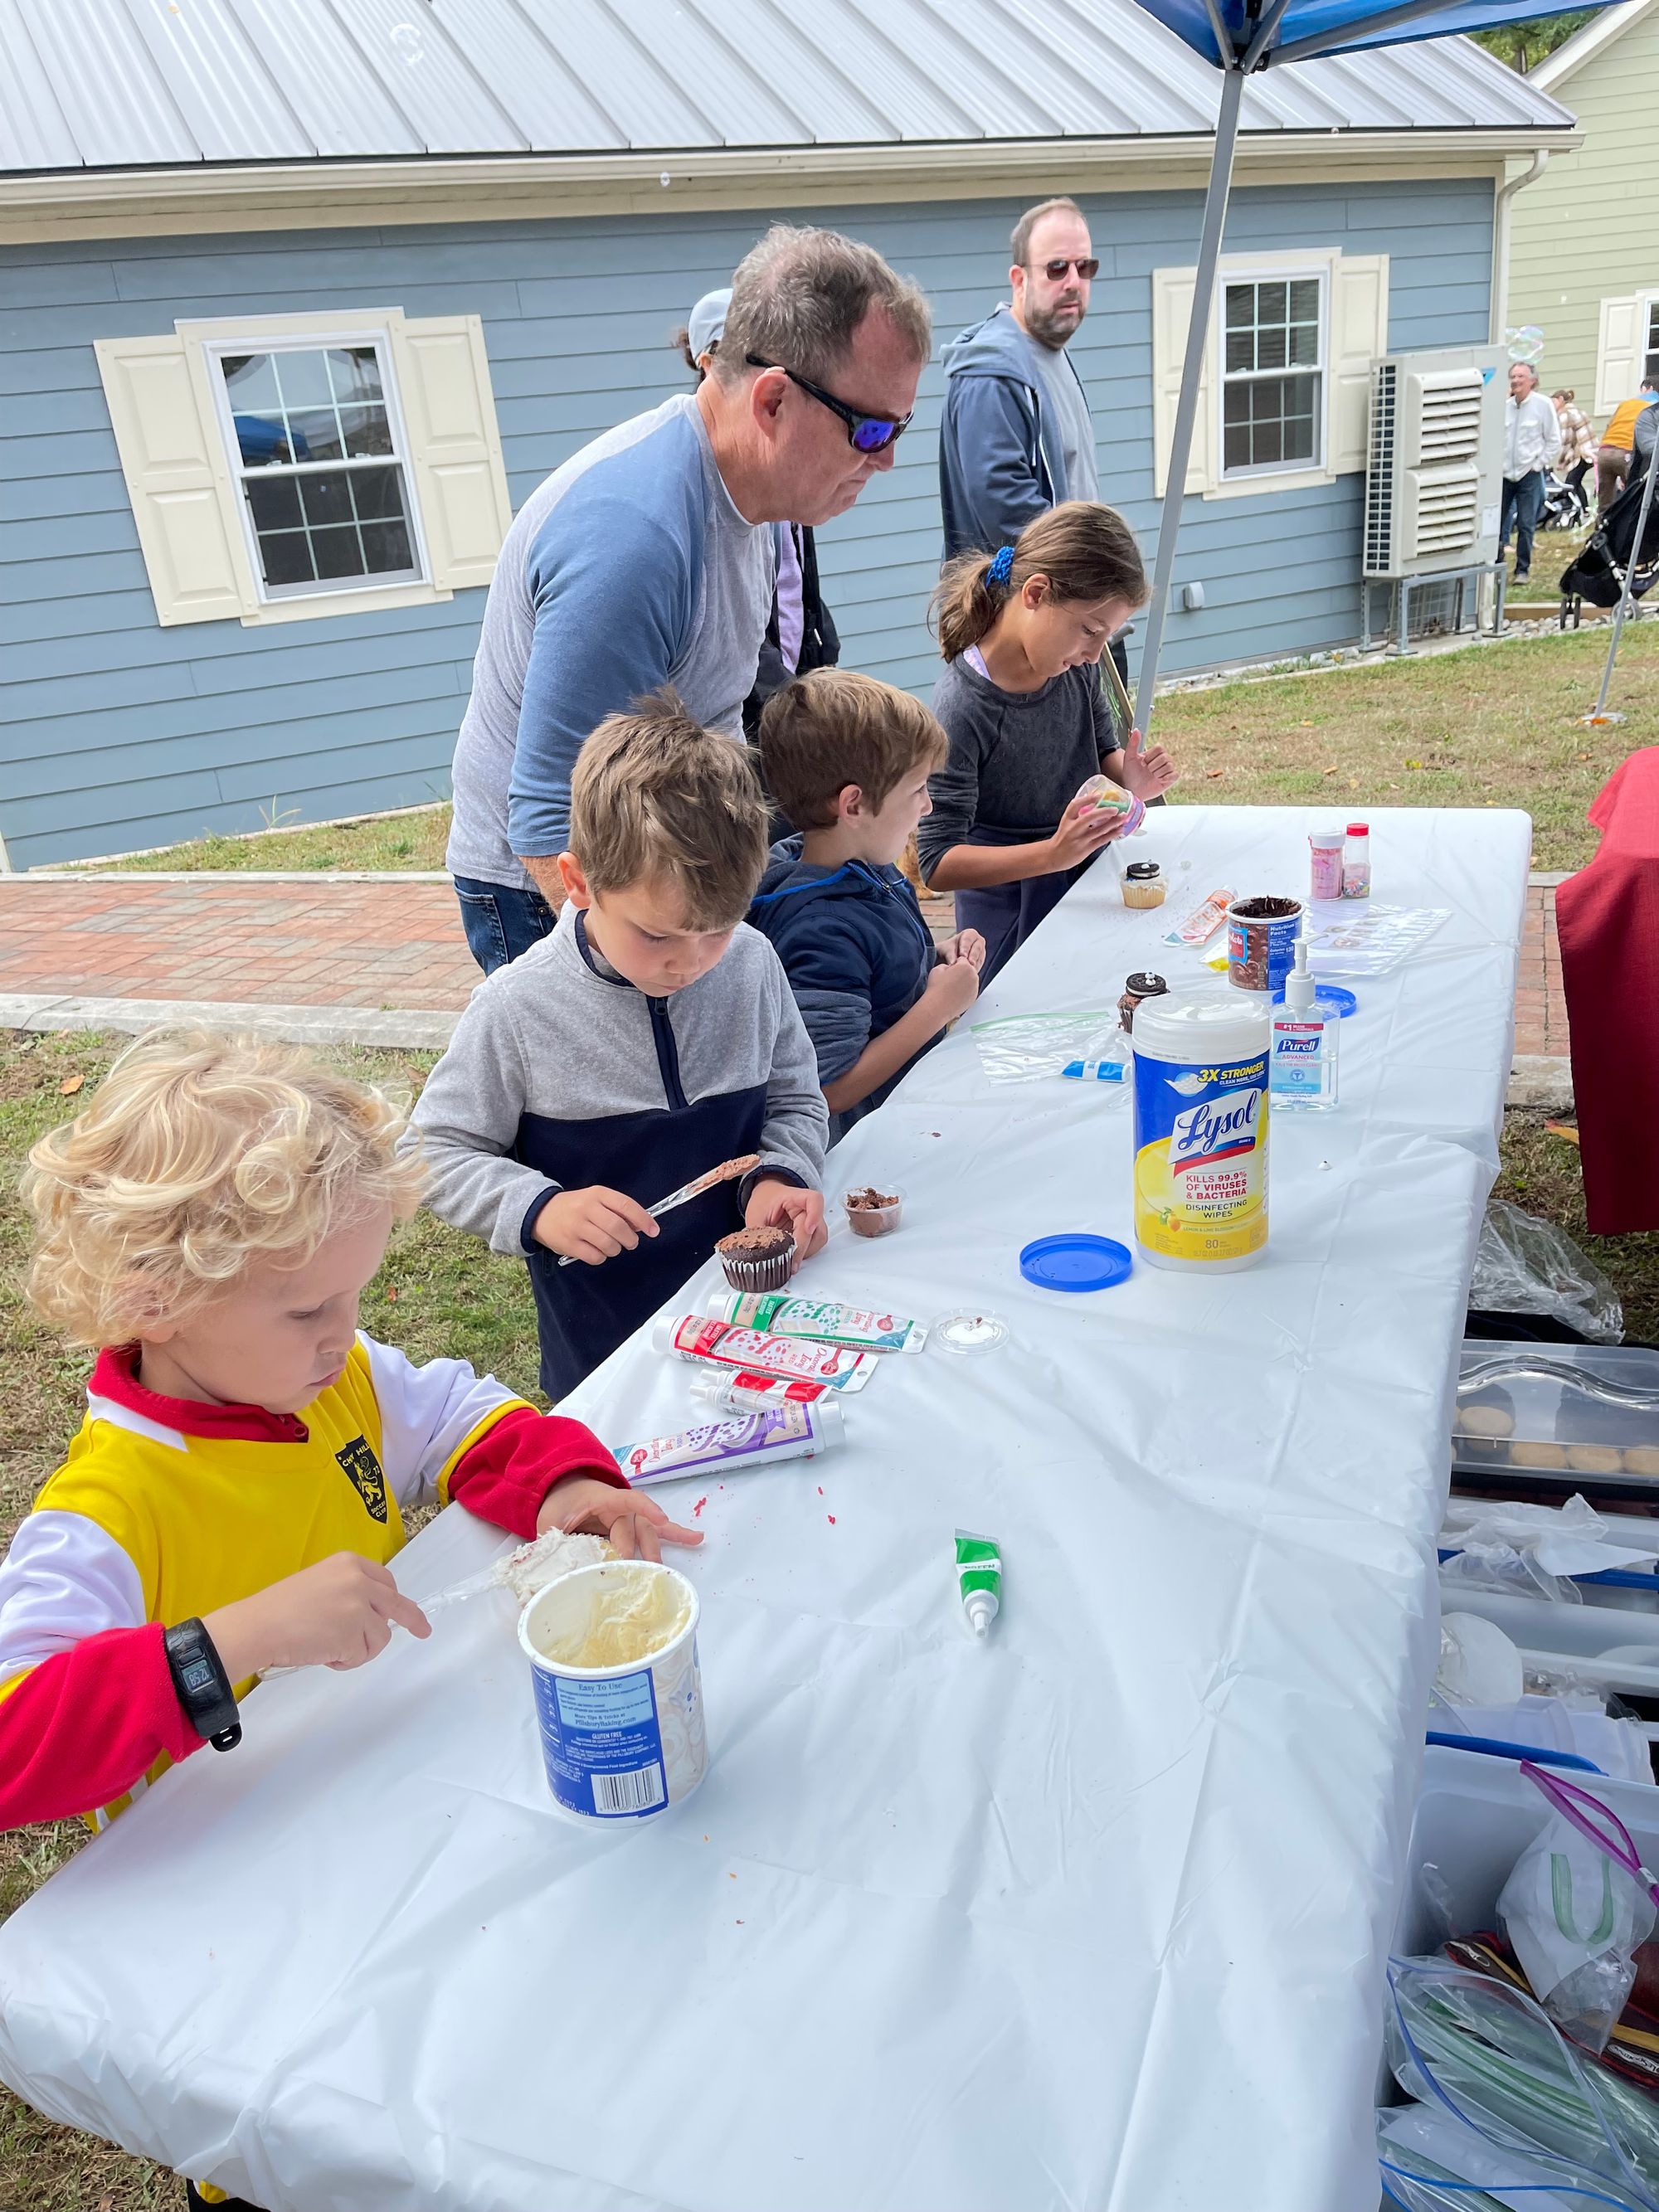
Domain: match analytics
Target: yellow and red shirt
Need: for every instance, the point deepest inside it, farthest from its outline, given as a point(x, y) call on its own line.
point(167, 1508)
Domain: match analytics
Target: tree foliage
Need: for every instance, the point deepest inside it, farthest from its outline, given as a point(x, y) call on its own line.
point(1523, 45)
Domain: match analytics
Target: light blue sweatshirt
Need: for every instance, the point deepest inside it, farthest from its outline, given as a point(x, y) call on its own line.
point(630, 567)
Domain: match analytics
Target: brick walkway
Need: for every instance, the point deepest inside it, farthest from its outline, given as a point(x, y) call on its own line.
point(338, 942)
point(1541, 1009)
point(312, 942)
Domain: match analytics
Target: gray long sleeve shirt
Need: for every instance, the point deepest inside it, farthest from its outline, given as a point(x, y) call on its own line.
point(1017, 760)
point(561, 1075)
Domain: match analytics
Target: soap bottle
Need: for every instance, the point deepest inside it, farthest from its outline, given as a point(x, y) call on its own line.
point(1302, 1070)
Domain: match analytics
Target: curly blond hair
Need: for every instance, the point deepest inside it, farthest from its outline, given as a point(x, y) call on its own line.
point(199, 1155)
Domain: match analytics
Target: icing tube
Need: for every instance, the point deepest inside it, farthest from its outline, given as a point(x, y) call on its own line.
point(979, 1578)
point(693, 1337)
point(753, 1393)
point(728, 1447)
point(859, 1328)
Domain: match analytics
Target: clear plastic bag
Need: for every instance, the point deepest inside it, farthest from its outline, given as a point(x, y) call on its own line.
point(1574, 1919)
point(1028, 1048)
point(1489, 2056)
point(1527, 1266)
point(1430, 2162)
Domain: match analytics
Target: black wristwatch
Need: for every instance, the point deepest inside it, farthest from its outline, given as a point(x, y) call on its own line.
point(204, 1687)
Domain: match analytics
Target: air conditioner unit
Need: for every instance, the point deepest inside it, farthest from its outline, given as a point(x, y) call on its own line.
point(1435, 475)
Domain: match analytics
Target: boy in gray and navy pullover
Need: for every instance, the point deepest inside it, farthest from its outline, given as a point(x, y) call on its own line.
point(651, 1037)
point(847, 759)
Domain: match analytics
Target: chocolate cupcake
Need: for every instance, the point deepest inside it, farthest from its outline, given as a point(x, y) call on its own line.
point(757, 1259)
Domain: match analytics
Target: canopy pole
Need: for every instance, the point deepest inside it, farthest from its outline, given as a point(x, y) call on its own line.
point(1198, 331)
point(1631, 566)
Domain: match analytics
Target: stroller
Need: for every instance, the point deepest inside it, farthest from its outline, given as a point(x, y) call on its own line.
point(1598, 574)
point(1566, 504)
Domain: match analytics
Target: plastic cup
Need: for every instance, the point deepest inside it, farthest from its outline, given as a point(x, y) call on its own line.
point(874, 1220)
point(618, 1743)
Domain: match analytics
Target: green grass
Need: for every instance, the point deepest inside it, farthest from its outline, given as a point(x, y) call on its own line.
point(390, 841)
point(1486, 726)
point(1492, 726)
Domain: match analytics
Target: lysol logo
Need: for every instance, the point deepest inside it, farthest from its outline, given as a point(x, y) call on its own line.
point(1218, 1129)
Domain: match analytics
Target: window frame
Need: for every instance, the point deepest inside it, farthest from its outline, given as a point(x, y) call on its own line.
point(300, 339)
point(1317, 271)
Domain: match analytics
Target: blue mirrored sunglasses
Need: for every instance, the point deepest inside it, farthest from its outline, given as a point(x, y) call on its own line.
point(868, 434)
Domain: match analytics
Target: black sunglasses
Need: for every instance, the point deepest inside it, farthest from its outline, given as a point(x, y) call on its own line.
point(867, 434)
point(1086, 269)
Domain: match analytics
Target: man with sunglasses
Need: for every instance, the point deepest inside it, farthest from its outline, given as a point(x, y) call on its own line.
point(1016, 438)
point(647, 559)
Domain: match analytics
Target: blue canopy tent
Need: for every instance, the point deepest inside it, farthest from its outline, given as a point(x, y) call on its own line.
point(1239, 37)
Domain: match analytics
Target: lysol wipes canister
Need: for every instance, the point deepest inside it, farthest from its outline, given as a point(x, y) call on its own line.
point(1200, 1133)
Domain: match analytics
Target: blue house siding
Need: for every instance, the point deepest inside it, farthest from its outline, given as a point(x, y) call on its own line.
point(115, 733)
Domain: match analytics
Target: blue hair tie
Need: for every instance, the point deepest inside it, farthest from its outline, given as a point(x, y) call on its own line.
point(1001, 567)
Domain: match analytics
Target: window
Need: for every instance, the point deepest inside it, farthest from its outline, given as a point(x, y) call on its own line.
point(1285, 390)
point(289, 468)
point(315, 443)
point(1272, 402)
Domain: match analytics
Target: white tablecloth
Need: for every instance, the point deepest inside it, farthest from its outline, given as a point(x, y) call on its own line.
point(1091, 1917)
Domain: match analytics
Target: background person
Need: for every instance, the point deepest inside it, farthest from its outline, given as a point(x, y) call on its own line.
point(801, 635)
point(647, 559)
point(1612, 457)
point(1532, 439)
point(1578, 438)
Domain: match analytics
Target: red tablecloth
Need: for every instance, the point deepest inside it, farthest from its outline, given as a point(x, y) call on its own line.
point(1607, 918)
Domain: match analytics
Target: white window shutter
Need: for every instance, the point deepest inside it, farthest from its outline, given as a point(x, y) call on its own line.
point(1619, 353)
point(1359, 338)
point(443, 379)
point(168, 451)
point(1172, 309)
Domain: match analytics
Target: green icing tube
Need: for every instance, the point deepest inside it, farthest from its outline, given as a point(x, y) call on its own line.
point(979, 1577)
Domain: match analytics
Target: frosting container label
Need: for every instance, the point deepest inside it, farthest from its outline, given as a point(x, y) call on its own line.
point(695, 1338)
point(1201, 1158)
point(719, 1443)
point(620, 1739)
point(858, 1327)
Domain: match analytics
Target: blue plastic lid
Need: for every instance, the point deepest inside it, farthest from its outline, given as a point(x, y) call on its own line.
point(1076, 1261)
point(1333, 995)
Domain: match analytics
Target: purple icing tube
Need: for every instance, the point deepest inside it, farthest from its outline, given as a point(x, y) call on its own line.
point(727, 1446)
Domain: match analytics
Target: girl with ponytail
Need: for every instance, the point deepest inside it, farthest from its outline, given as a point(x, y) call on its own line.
point(1022, 631)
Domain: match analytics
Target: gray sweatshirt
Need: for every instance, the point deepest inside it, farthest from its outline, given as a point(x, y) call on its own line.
point(560, 1075)
point(1016, 757)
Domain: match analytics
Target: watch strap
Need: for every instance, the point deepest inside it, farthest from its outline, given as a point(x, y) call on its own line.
point(202, 1685)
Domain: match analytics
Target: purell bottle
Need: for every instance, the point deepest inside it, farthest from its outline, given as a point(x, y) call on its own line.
point(1301, 1068)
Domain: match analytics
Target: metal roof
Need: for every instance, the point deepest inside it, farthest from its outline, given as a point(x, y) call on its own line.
point(96, 84)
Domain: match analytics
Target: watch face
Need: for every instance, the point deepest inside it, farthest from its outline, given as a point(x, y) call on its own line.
point(196, 1675)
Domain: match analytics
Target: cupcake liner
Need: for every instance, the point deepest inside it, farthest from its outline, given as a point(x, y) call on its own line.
point(770, 1273)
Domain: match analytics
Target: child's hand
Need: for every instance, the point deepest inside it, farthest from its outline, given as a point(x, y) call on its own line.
point(1084, 829)
point(773, 1205)
point(1148, 775)
point(952, 986)
point(592, 1225)
point(337, 1614)
point(636, 1525)
point(967, 945)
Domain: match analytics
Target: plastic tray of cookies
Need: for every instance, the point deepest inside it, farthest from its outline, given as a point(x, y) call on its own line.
point(1545, 1420)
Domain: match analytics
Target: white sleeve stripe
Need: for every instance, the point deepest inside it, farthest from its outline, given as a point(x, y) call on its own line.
point(425, 1414)
point(64, 1579)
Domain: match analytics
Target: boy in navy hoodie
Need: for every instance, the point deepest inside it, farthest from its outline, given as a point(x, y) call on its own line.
point(847, 759)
